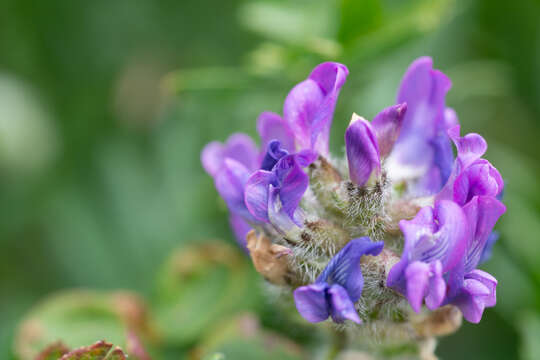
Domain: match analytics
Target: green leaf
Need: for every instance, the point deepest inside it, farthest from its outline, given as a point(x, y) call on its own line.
point(198, 286)
point(79, 317)
point(241, 337)
point(530, 333)
point(306, 24)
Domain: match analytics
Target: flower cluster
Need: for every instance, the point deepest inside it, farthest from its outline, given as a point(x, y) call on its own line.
point(316, 226)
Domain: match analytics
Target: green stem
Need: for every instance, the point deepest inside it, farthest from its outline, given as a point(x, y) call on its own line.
point(339, 340)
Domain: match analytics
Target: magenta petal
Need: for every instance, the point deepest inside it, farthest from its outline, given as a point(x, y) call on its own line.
point(341, 306)
point(271, 126)
point(482, 213)
point(256, 194)
point(230, 182)
point(344, 267)
point(387, 125)
point(311, 302)
point(309, 106)
point(362, 151)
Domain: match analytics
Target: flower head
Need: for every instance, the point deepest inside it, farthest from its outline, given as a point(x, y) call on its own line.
point(400, 183)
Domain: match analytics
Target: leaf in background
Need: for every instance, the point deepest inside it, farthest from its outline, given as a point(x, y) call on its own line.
point(241, 337)
point(307, 24)
point(79, 317)
point(530, 332)
point(198, 286)
point(395, 26)
point(359, 18)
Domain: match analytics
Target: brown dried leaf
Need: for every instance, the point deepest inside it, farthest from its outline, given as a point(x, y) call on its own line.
point(270, 260)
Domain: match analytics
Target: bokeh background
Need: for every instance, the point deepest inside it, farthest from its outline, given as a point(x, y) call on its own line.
point(105, 106)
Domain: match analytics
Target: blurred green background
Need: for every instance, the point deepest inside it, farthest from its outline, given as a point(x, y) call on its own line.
point(105, 106)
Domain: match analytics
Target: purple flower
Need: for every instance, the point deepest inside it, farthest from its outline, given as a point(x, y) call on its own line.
point(238, 147)
point(471, 176)
point(339, 286)
point(273, 154)
point(477, 292)
point(435, 242)
point(423, 152)
point(230, 182)
point(443, 246)
point(362, 150)
point(277, 192)
point(309, 107)
point(271, 126)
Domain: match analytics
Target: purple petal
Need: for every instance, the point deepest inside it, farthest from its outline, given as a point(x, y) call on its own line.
point(443, 157)
point(212, 157)
point(482, 213)
point(239, 147)
point(311, 302)
point(240, 229)
point(450, 118)
point(293, 181)
point(344, 267)
point(435, 234)
point(341, 306)
point(256, 194)
point(424, 90)
point(230, 182)
point(437, 286)
point(362, 150)
point(281, 221)
point(425, 281)
point(309, 107)
point(274, 152)
point(442, 238)
point(480, 178)
point(387, 125)
point(469, 147)
point(271, 126)
point(477, 293)
point(486, 253)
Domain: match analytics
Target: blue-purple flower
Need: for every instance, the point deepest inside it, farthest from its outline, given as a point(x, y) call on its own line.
point(339, 286)
point(267, 186)
point(422, 155)
point(470, 199)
